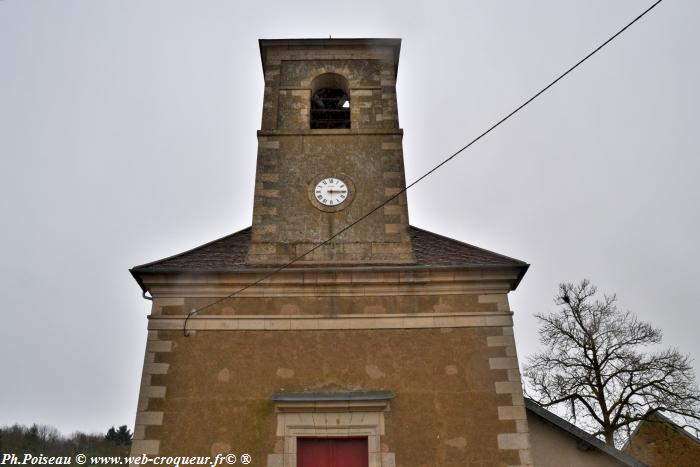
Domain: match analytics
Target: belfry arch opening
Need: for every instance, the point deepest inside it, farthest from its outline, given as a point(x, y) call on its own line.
point(330, 102)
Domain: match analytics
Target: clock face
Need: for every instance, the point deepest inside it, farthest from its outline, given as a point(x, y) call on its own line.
point(331, 191)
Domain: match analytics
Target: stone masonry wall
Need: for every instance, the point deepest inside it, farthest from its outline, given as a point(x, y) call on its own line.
point(458, 399)
point(285, 221)
point(658, 444)
point(291, 156)
point(369, 72)
point(217, 386)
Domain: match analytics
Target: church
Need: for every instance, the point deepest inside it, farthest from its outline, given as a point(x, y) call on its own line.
point(387, 346)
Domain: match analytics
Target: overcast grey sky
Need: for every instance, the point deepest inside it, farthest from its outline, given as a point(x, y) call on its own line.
point(127, 134)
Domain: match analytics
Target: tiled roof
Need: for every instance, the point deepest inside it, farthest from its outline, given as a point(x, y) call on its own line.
point(228, 254)
point(435, 250)
point(223, 254)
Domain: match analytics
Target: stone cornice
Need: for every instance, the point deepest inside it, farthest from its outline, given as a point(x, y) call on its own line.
point(335, 131)
point(383, 281)
point(366, 44)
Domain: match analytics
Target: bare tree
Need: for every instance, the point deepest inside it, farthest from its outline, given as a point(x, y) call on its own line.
point(597, 369)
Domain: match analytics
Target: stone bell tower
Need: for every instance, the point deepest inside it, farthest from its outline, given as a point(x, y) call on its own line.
point(329, 113)
point(391, 346)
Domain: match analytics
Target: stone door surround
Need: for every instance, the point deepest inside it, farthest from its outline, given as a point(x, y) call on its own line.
point(330, 414)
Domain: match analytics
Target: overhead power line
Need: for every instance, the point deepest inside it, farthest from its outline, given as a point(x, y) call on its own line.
point(422, 177)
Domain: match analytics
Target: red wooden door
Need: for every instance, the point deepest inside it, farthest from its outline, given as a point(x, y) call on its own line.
point(332, 452)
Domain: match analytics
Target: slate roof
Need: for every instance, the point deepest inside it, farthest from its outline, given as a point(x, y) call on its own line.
point(227, 254)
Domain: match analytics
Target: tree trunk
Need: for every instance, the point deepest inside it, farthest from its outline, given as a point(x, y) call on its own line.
point(610, 439)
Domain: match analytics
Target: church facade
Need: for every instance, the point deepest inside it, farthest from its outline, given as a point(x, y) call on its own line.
point(388, 346)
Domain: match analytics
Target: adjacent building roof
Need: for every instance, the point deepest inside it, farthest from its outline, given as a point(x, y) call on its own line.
point(582, 436)
point(228, 254)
